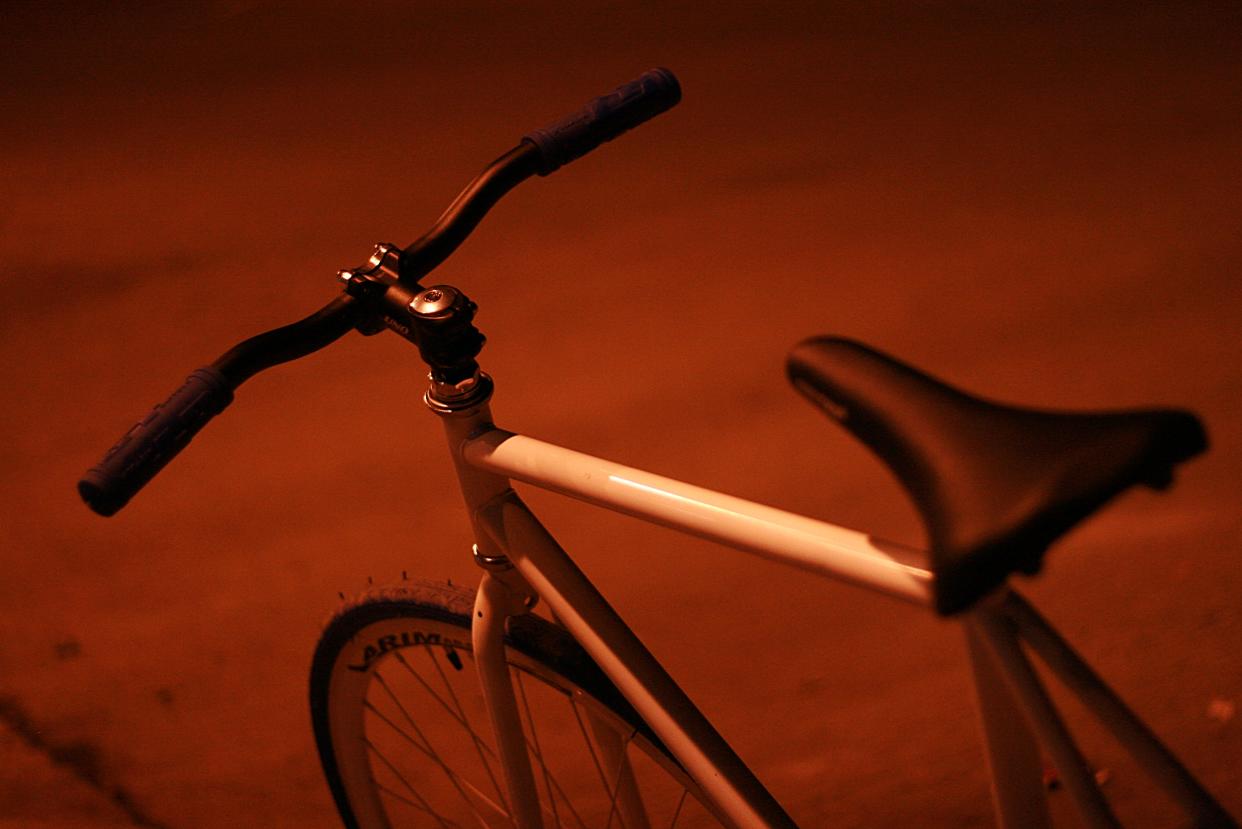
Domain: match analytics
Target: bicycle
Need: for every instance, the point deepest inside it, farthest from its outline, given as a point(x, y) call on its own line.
point(584, 726)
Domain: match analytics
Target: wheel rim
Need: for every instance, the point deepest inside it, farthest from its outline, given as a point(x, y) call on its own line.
point(411, 741)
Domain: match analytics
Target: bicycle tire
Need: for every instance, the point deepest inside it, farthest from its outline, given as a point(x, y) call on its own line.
point(368, 649)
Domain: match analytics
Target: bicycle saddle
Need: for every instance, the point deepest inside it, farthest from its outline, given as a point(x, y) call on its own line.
point(995, 484)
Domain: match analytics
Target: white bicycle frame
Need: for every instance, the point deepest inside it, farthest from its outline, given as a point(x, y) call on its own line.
point(522, 560)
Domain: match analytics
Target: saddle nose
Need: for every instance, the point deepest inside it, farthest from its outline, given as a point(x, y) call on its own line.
point(995, 484)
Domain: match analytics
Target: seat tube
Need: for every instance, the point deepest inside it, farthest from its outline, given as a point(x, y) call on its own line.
point(1012, 752)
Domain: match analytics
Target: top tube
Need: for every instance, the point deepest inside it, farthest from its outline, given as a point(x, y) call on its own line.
point(787, 537)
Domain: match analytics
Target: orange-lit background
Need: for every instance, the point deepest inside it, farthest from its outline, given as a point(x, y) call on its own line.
point(1040, 205)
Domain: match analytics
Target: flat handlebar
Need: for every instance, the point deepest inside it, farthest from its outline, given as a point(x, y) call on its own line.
point(152, 442)
point(169, 427)
point(604, 118)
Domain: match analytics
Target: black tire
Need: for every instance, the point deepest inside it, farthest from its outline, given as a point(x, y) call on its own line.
point(381, 633)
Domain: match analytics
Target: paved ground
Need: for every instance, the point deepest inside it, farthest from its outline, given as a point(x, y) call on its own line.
point(1041, 205)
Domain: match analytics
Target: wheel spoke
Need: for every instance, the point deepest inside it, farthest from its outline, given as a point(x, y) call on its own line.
point(677, 812)
point(536, 749)
point(616, 782)
point(444, 822)
point(479, 744)
point(612, 791)
point(401, 736)
point(498, 808)
point(427, 687)
point(586, 739)
point(398, 796)
point(429, 749)
point(558, 788)
point(459, 715)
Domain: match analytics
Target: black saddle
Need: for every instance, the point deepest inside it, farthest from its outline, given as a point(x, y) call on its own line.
point(995, 484)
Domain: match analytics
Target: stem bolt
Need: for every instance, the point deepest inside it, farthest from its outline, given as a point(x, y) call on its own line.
point(434, 301)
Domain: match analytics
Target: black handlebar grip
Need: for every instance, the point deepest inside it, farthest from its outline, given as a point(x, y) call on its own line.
point(604, 118)
point(154, 441)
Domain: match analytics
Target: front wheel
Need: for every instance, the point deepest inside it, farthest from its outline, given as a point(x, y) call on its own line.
point(405, 739)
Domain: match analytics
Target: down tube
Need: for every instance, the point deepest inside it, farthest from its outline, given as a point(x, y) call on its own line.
point(737, 793)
